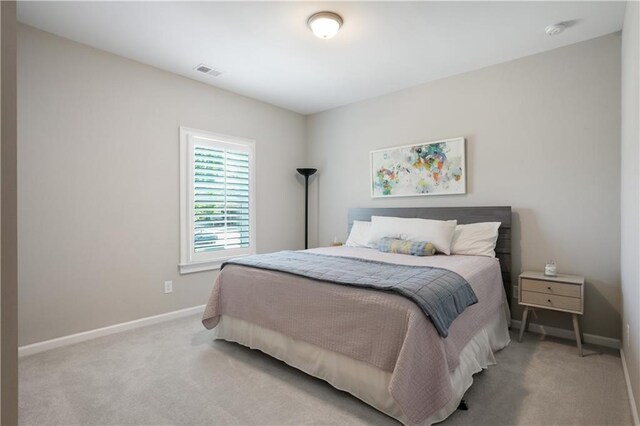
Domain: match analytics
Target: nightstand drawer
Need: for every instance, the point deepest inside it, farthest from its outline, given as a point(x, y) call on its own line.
point(549, 287)
point(551, 301)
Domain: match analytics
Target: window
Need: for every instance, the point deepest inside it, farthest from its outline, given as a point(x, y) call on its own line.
point(217, 212)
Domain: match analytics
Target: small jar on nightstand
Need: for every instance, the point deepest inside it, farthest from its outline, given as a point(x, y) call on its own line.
point(335, 243)
point(564, 293)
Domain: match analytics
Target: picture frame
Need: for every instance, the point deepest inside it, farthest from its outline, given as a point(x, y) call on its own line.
point(423, 169)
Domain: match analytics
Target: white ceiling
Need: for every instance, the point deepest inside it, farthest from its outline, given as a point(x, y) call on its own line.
point(265, 51)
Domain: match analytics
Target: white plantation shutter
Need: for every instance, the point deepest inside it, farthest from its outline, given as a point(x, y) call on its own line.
point(219, 203)
point(221, 199)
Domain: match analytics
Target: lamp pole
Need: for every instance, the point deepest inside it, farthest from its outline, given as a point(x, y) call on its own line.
point(306, 172)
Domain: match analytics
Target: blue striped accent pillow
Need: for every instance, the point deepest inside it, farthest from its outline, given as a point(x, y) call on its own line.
point(414, 248)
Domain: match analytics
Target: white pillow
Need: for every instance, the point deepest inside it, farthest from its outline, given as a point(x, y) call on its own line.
point(478, 239)
point(359, 235)
point(437, 232)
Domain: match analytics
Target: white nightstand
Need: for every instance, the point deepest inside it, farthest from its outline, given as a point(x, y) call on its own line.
point(564, 293)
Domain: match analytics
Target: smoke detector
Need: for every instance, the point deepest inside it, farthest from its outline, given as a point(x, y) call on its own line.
point(555, 29)
point(206, 69)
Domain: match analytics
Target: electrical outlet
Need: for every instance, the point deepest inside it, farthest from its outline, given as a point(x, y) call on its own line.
point(627, 337)
point(514, 292)
point(168, 287)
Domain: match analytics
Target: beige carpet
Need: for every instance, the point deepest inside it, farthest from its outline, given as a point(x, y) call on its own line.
point(173, 373)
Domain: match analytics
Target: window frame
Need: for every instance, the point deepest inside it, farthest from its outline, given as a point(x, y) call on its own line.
point(189, 260)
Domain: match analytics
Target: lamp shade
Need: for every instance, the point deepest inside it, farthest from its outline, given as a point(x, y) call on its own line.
point(306, 171)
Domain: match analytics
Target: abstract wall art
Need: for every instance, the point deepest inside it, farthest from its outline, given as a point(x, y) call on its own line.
point(430, 168)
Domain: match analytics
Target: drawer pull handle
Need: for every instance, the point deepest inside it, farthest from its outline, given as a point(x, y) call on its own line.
point(549, 300)
point(548, 288)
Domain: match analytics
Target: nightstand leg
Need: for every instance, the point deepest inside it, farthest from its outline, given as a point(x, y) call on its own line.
point(523, 324)
point(576, 329)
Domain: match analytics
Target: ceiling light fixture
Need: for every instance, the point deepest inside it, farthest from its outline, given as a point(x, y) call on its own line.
point(555, 29)
point(325, 24)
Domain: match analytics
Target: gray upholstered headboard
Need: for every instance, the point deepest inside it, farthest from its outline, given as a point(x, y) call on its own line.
point(464, 215)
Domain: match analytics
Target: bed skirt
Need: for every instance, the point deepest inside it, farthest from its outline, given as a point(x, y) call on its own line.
point(364, 381)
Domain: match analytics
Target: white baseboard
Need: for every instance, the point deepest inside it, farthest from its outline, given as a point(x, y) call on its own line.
point(632, 400)
point(105, 331)
point(563, 333)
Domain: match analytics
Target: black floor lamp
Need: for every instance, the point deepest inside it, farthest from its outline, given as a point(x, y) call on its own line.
point(306, 173)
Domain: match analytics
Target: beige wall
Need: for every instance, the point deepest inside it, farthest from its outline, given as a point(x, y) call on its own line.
point(8, 218)
point(630, 185)
point(98, 184)
point(543, 135)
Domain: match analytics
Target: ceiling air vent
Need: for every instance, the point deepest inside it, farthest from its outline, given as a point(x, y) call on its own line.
point(207, 70)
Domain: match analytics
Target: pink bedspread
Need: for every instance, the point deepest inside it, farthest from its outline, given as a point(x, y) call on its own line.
point(383, 329)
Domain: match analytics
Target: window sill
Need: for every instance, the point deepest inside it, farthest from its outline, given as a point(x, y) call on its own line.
point(207, 265)
point(190, 268)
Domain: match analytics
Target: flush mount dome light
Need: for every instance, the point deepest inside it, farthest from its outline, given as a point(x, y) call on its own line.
point(325, 24)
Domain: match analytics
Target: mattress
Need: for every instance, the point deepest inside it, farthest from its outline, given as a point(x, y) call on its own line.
point(379, 330)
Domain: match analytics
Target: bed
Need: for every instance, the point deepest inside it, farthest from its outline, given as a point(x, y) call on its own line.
point(378, 346)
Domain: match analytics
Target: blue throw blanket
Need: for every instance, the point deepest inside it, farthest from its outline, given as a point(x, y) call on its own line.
point(441, 294)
